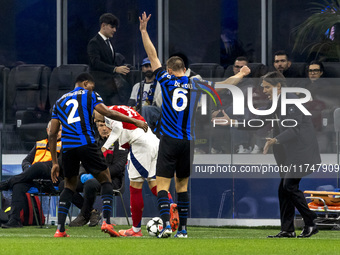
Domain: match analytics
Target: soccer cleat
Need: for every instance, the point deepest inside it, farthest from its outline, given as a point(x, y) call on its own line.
point(60, 234)
point(130, 232)
point(108, 228)
point(174, 218)
point(181, 234)
point(166, 232)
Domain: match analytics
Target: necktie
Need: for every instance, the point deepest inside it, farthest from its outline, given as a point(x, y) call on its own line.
point(109, 44)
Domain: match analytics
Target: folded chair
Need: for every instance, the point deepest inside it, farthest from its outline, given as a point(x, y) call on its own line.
point(43, 187)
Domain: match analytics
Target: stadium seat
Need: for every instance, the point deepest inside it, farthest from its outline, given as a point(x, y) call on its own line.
point(207, 70)
point(298, 70)
point(63, 80)
point(256, 70)
point(331, 69)
point(4, 71)
point(28, 98)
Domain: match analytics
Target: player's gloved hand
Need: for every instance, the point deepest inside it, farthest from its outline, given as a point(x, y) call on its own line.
point(85, 177)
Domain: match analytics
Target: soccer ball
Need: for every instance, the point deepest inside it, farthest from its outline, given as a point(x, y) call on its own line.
point(154, 226)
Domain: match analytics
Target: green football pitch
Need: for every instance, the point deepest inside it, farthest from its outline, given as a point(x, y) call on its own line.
point(201, 240)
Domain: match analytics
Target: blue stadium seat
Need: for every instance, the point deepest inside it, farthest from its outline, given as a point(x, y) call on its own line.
point(207, 70)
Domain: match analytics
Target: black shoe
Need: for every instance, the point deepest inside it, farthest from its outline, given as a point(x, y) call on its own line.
point(12, 224)
point(4, 185)
point(284, 234)
point(95, 218)
point(79, 221)
point(308, 231)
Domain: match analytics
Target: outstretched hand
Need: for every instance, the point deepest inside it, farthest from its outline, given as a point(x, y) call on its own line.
point(270, 142)
point(143, 21)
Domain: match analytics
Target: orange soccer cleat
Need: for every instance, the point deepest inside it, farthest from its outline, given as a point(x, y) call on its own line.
point(108, 228)
point(130, 232)
point(60, 234)
point(174, 218)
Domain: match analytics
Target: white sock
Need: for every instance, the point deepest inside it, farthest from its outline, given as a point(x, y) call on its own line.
point(135, 229)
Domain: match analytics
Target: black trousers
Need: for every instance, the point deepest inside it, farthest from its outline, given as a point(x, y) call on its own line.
point(290, 197)
point(22, 182)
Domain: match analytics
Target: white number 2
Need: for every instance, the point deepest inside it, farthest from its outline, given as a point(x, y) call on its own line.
point(179, 93)
point(71, 119)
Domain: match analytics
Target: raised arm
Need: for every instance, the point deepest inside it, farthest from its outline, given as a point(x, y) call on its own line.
point(235, 79)
point(148, 45)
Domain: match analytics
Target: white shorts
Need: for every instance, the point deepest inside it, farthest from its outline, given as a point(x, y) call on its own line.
point(142, 158)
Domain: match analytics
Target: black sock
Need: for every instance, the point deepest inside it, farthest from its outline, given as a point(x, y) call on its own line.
point(64, 205)
point(164, 207)
point(183, 209)
point(107, 198)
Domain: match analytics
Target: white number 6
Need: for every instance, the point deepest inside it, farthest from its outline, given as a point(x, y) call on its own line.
point(179, 93)
point(71, 119)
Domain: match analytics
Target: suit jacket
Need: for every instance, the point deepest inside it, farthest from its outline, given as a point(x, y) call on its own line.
point(297, 145)
point(100, 55)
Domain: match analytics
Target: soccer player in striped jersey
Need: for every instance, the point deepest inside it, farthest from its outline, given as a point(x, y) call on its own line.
point(180, 98)
point(74, 111)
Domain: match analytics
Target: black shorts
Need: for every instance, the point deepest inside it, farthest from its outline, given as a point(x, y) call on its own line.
point(89, 155)
point(174, 155)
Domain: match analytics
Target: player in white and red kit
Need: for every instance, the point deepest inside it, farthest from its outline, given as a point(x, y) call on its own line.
point(142, 158)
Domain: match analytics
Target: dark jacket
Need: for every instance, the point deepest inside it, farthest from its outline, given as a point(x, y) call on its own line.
point(297, 145)
point(299, 142)
point(100, 55)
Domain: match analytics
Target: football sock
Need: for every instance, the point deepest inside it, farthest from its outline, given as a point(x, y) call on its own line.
point(137, 206)
point(154, 190)
point(164, 207)
point(64, 205)
point(183, 209)
point(107, 198)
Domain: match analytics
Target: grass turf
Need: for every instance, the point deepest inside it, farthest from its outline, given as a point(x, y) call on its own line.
point(201, 240)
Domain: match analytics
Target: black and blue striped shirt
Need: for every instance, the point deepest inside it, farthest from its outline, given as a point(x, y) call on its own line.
point(74, 111)
point(180, 98)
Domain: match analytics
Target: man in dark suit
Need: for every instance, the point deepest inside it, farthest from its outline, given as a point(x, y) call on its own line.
point(294, 146)
point(104, 63)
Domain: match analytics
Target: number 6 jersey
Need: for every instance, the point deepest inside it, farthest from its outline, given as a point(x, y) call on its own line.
point(180, 100)
point(74, 110)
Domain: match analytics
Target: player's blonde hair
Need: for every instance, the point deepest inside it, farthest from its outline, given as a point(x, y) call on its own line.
point(175, 63)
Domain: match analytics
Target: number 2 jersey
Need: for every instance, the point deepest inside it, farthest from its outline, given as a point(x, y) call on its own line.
point(180, 98)
point(74, 110)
